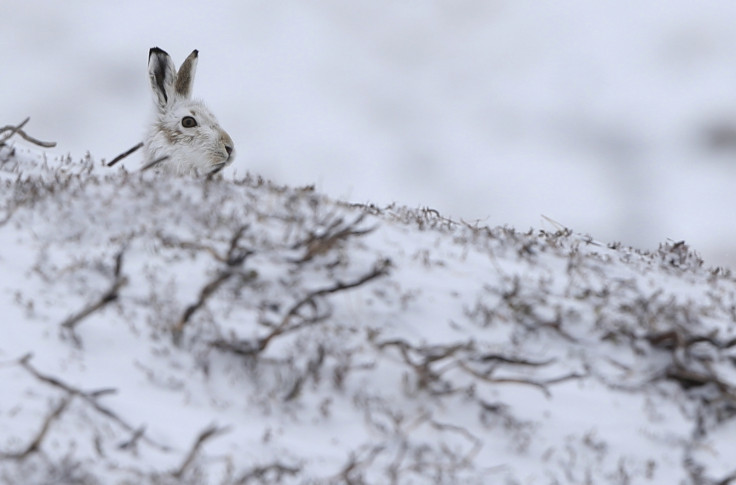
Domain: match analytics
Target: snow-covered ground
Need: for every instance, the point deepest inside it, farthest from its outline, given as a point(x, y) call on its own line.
point(616, 118)
point(164, 330)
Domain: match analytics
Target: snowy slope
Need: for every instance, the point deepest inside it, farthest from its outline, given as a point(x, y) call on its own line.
point(616, 118)
point(171, 330)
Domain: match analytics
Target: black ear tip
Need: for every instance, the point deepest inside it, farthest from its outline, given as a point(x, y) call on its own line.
point(156, 51)
point(195, 53)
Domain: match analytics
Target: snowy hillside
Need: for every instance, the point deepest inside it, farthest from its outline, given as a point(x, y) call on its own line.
point(615, 118)
point(163, 330)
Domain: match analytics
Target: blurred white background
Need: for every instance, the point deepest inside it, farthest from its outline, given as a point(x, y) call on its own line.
point(615, 117)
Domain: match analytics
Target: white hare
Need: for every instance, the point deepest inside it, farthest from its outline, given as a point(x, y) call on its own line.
point(185, 134)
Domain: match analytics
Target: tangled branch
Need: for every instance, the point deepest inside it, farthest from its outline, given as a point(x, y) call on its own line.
point(35, 444)
point(249, 347)
point(109, 296)
point(318, 243)
point(541, 384)
point(352, 472)
point(271, 473)
point(206, 434)
point(89, 397)
point(18, 129)
point(234, 258)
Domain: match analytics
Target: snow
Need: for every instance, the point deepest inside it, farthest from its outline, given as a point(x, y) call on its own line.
point(257, 333)
point(398, 323)
point(610, 117)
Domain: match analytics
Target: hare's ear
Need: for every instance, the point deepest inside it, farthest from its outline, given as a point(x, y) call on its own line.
point(185, 76)
point(162, 73)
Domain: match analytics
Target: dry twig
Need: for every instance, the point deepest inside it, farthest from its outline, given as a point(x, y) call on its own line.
point(271, 473)
point(539, 384)
point(154, 163)
point(89, 397)
point(109, 296)
point(421, 359)
point(235, 257)
point(352, 472)
point(251, 348)
point(476, 442)
point(206, 434)
point(317, 244)
point(204, 295)
point(133, 440)
point(34, 445)
point(18, 129)
point(124, 154)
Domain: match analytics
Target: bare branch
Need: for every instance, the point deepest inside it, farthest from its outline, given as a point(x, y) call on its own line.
point(109, 296)
point(540, 384)
point(88, 396)
point(253, 347)
point(317, 244)
point(204, 294)
point(34, 445)
point(236, 256)
point(379, 269)
point(133, 440)
point(13, 129)
point(350, 474)
point(514, 360)
point(271, 473)
point(171, 242)
point(124, 154)
point(689, 378)
point(18, 130)
point(421, 359)
point(206, 434)
point(154, 163)
point(476, 442)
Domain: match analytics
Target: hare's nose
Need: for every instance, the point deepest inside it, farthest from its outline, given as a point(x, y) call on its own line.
point(228, 144)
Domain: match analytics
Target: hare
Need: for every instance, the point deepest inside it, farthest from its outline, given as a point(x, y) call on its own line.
point(185, 137)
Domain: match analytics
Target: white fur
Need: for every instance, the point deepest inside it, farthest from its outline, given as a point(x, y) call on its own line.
point(203, 149)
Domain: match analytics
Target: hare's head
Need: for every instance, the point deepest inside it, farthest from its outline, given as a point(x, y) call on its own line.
point(185, 133)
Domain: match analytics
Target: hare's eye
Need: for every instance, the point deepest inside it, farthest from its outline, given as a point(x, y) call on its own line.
point(188, 122)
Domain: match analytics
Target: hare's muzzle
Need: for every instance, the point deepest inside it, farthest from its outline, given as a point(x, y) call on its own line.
point(227, 142)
